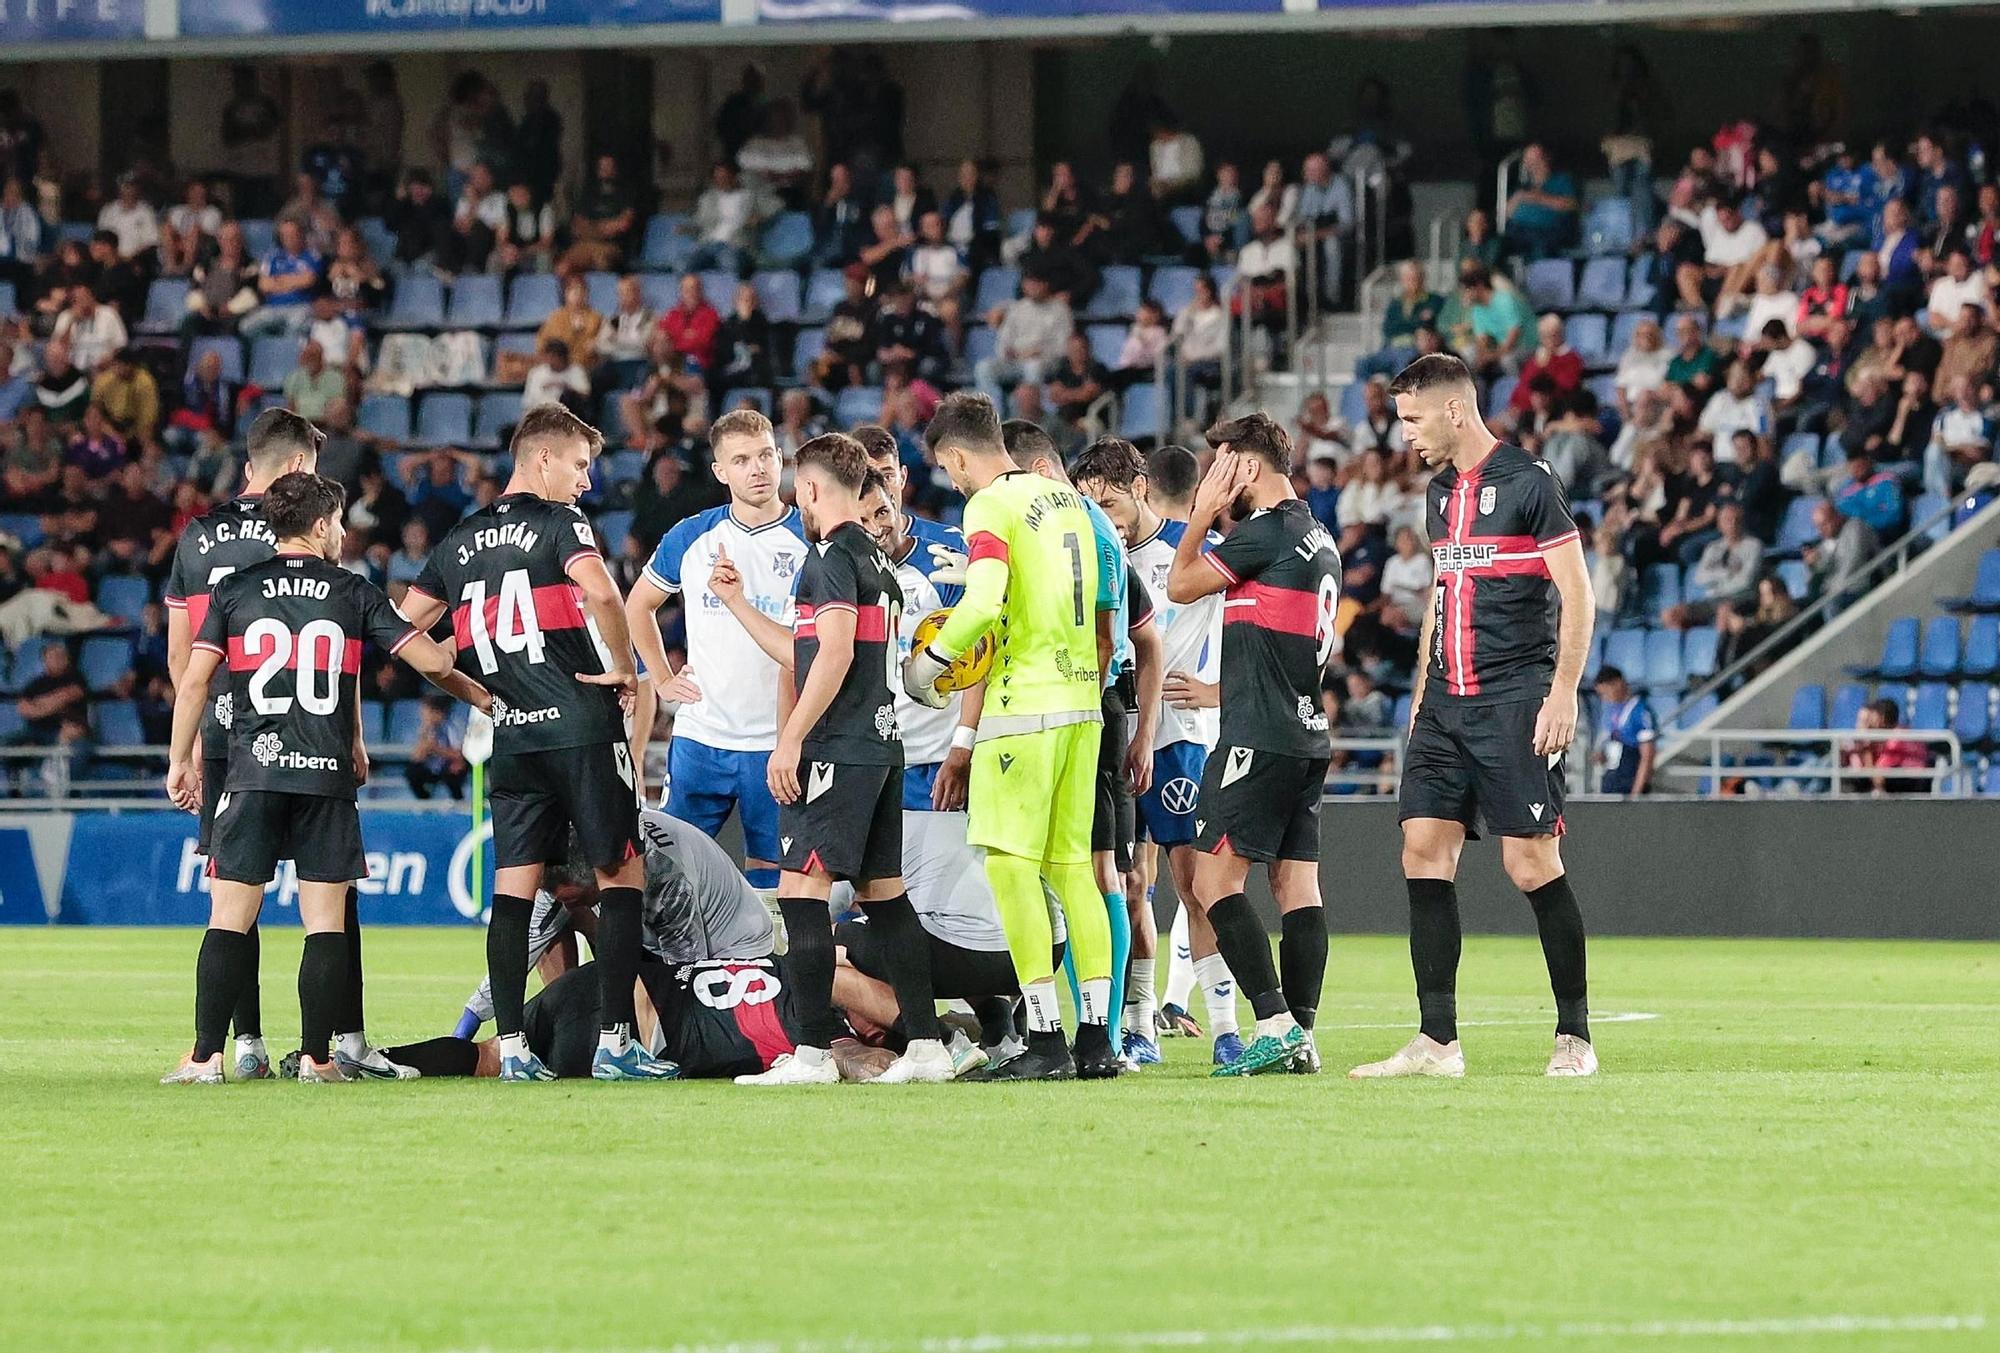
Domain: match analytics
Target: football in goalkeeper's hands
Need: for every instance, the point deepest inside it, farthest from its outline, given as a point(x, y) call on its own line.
point(971, 666)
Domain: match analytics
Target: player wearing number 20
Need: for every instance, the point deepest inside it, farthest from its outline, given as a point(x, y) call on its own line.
point(526, 587)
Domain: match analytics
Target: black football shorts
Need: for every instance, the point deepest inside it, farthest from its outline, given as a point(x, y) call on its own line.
point(1114, 825)
point(214, 775)
point(1260, 805)
point(957, 974)
point(1476, 764)
point(256, 828)
point(848, 822)
point(538, 796)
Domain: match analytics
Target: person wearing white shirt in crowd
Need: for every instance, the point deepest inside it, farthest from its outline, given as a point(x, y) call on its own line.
point(1772, 301)
point(1731, 245)
point(1378, 428)
point(1643, 366)
point(935, 266)
point(777, 159)
point(628, 331)
point(1406, 578)
point(185, 226)
point(93, 331)
point(1961, 436)
point(132, 219)
point(481, 203)
point(1736, 405)
point(1144, 341)
point(1273, 192)
point(339, 336)
point(724, 216)
point(1789, 360)
point(555, 379)
point(1371, 497)
point(1032, 332)
point(1958, 286)
point(1175, 161)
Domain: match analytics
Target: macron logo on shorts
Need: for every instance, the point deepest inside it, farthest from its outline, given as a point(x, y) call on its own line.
point(819, 781)
point(1238, 765)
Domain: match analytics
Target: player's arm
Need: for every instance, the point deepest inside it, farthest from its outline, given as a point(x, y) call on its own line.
point(1197, 573)
point(1149, 676)
point(1425, 632)
point(180, 640)
point(1643, 780)
point(190, 695)
point(432, 661)
point(606, 609)
point(726, 581)
point(834, 623)
point(360, 737)
point(641, 608)
point(948, 790)
point(978, 608)
point(419, 606)
point(1556, 724)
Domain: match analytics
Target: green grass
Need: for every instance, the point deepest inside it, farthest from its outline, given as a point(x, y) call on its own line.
point(1805, 1131)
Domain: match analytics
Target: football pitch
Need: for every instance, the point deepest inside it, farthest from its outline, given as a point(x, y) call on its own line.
point(1793, 1145)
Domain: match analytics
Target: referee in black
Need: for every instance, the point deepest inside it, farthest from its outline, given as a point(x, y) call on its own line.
point(1503, 648)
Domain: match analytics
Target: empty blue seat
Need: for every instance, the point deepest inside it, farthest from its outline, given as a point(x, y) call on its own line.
point(603, 289)
point(1973, 723)
point(1660, 588)
point(718, 288)
point(385, 416)
point(273, 359)
point(1550, 284)
point(1625, 649)
point(1931, 710)
point(1106, 341)
point(787, 241)
point(532, 298)
point(665, 247)
point(445, 419)
point(1696, 712)
point(778, 295)
point(118, 724)
point(475, 302)
point(1173, 287)
point(1603, 284)
point(1224, 277)
point(1807, 442)
point(498, 412)
point(228, 348)
point(1981, 656)
point(825, 289)
point(406, 718)
point(1118, 296)
point(1187, 223)
point(1608, 228)
point(26, 663)
point(627, 467)
point(1503, 391)
point(1796, 577)
point(1899, 652)
point(1938, 657)
point(858, 404)
point(166, 306)
point(1144, 415)
point(1699, 651)
point(124, 596)
point(997, 286)
point(756, 394)
point(1638, 291)
point(104, 661)
point(417, 304)
point(1808, 708)
point(806, 350)
point(1846, 708)
point(25, 527)
point(1590, 335)
point(612, 528)
point(1020, 221)
point(1796, 528)
point(1985, 587)
point(1664, 669)
point(260, 236)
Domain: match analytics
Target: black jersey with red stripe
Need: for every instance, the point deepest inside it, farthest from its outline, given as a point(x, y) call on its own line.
point(1494, 608)
point(228, 537)
point(848, 572)
point(520, 623)
point(1283, 569)
point(290, 631)
point(720, 1018)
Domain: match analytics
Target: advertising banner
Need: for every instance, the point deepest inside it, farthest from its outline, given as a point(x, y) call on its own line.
point(270, 18)
point(933, 11)
point(143, 869)
point(70, 20)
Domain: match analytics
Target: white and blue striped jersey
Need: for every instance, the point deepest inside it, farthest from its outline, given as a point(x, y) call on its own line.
point(1191, 635)
point(738, 709)
point(926, 731)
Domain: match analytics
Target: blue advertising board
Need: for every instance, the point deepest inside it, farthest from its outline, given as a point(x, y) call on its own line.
point(70, 20)
point(270, 18)
point(933, 11)
point(143, 869)
point(21, 900)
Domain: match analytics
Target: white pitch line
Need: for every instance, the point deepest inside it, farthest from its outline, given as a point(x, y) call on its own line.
point(1629, 1017)
point(1782, 1327)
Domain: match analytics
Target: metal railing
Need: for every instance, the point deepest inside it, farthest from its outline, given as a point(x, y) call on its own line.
point(1441, 265)
point(1503, 188)
point(1944, 777)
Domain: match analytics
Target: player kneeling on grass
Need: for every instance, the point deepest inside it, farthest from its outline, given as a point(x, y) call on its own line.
point(290, 630)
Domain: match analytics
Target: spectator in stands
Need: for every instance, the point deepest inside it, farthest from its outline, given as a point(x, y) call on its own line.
point(604, 222)
point(909, 341)
point(1572, 442)
point(840, 222)
point(777, 163)
point(556, 379)
point(120, 283)
point(1322, 477)
point(380, 508)
point(1874, 495)
point(1896, 248)
point(1844, 545)
point(340, 336)
point(1771, 301)
point(1498, 323)
point(436, 757)
point(313, 384)
point(1378, 428)
point(224, 287)
point(129, 396)
point(1553, 357)
point(1985, 232)
point(525, 240)
point(887, 254)
point(575, 325)
point(1406, 583)
point(1413, 307)
point(92, 332)
point(725, 222)
point(974, 222)
point(626, 334)
point(1688, 507)
point(1823, 301)
point(188, 230)
point(908, 199)
point(1758, 485)
point(938, 271)
point(1643, 366)
point(62, 390)
point(1275, 193)
point(478, 217)
point(1882, 758)
point(692, 324)
point(406, 565)
point(849, 335)
point(1914, 350)
point(1733, 247)
point(96, 448)
point(1737, 405)
point(1127, 225)
point(1741, 631)
point(137, 525)
point(1628, 736)
point(1265, 268)
point(31, 465)
point(72, 267)
point(1201, 330)
point(1909, 431)
point(1139, 354)
point(1175, 159)
point(537, 157)
point(286, 280)
point(1477, 241)
point(1224, 217)
point(1957, 287)
point(437, 493)
point(1326, 218)
point(353, 277)
point(1867, 301)
point(1542, 213)
point(343, 456)
point(51, 698)
point(1069, 274)
point(1670, 267)
point(20, 234)
point(133, 221)
point(1961, 436)
point(17, 391)
point(1726, 570)
point(742, 347)
point(1077, 381)
point(207, 409)
point(1970, 350)
point(1032, 332)
point(1786, 360)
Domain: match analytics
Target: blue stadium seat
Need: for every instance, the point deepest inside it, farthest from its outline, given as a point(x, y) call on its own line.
point(981, 342)
point(515, 342)
point(1846, 708)
point(1899, 652)
point(1625, 649)
point(1107, 341)
point(806, 350)
point(603, 288)
point(1985, 587)
point(444, 419)
point(1590, 335)
point(1173, 287)
point(1664, 669)
point(406, 717)
point(1931, 710)
point(661, 291)
point(858, 404)
point(1981, 657)
point(104, 661)
point(627, 467)
point(825, 289)
point(1119, 295)
point(1796, 528)
point(1934, 509)
point(1143, 416)
point(273, 359)
point(418, 303)
point(1989, 784)
point(1659, 588)
point(381, 240)
point(10, 304)
point(1550, 284)
point(612, 528)
point(1623, 327)
point(1020, 221)
point(718, 288)
point(166, 306)
point(229, 348)
point(1808, 442)
point(1503, 391)
point(118, 724)
point(1187, 221)
point(665, 248)
point(385, 416)
point(1696, 712)
point(11, 722)
point(124, 596)
point(787, 241)
point(1808, 709)
point(1638, 291)
point(25, 527)
point(1608, 227)
point(757, 394)
point(1938, 657)
point(259, 237)
point(1603, 284)
point(997, 286)
point(1974, 720)
point(499, 410)
point(475, 302)
point(778, 294)
point(1732, 328)
point(1699, 651)
point(1223, 275)
point(532, 298)
point(26, 663)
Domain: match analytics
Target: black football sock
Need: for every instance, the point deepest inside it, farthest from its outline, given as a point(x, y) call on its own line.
point(322, 980)
point(1435, 942)
point(619, 931)
point(1244, 946)
point(809, 967)
point(1561, 922)
point(437, 1057)
point(352, 1017)
point(248, 1014)
point(507, 960)
point(996, 1019)
point(226, 961)
point(1302, 962)
point(906, 952)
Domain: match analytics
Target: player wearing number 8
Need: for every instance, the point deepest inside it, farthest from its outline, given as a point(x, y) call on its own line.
point(539, 620)
point(1279, 573)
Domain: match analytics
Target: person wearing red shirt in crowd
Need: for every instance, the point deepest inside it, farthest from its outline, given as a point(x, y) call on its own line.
point(1553, 357)
point(692, 324)
point(1822, 302)
point(1892, 755)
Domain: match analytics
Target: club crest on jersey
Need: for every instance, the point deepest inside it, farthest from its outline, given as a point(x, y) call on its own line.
point(1487, 497)
point(784, 565)
point(225, 709)
point(267, 748)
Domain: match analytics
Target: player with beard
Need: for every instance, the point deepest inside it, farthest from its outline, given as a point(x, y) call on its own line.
point(1503, 647)
point(1279, 573)
point(290, 630)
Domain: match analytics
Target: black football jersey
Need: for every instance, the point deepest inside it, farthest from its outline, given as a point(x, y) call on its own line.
point(848, 572)
point(289, 632)
point(520, 623)
point(1494, 609)
point(1277, 629)
point(228, 537)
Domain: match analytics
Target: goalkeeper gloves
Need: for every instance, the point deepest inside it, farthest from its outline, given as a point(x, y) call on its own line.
point(947, 566)
point(921, 675)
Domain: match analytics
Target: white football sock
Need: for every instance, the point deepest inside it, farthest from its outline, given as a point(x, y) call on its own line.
point(1044, 1013)
point(1218, 992)
point(1139, 1004)
point(515, 1046)
point(1094, 1001)
point(615, 1039)
point(812, 1056)
point(352, 1046)
point(1180, 961)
